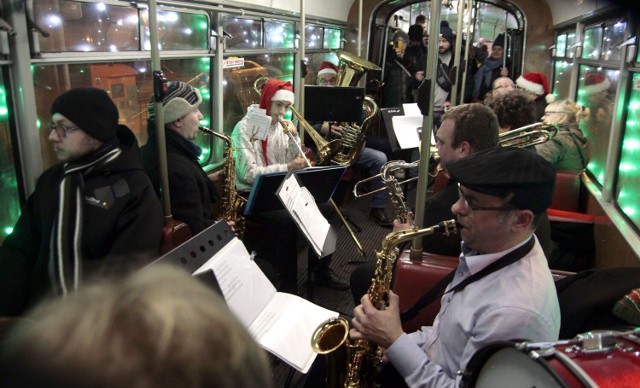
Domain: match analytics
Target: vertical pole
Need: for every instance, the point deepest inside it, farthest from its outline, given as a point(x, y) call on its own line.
point(162, 148)
point(299, 80)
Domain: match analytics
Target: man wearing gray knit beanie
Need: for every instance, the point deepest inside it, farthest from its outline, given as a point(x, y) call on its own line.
point(191, 190)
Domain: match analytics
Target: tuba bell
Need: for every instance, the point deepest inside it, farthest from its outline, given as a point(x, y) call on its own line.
point(350, 70)
point(327, 150)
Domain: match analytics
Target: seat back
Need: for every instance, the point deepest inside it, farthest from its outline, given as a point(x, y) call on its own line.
point(566, 195)
point(413, 279)
point(174, 234)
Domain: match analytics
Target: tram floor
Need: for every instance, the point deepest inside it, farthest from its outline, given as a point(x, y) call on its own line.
point(345, 260)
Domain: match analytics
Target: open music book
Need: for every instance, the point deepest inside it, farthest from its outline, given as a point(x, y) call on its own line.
point(281, 323)
point(301, 204)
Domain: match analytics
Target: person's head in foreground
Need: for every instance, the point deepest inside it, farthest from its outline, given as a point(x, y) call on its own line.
point(158, 327)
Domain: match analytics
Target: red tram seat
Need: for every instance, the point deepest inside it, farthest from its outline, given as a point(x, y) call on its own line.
point(566, 195)
point(414, 278)
point(173, 235)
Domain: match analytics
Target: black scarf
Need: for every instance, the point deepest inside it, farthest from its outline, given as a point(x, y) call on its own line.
point(65, 263)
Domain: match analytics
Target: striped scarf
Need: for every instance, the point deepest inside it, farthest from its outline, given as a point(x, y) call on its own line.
point(65, 263)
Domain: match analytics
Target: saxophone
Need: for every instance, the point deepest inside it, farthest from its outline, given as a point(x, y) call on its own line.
point(363, 359)
point(232, 203)
point(395, 192)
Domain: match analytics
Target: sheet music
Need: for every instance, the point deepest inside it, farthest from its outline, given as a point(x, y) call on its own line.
point(406, 130)
point(281, 323)
point(411, 109)
point(258, 120)
point(300, 202)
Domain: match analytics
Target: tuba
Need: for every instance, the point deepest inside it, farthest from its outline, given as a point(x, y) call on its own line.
point(357, 363)
point(232, 203)
point(326, 149)
point(528, 135)
point(350, 70)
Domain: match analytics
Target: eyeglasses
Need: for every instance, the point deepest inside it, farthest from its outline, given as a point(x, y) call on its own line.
point(331, 81)
point(471, 208)
point(61, 130)
point(552, 112)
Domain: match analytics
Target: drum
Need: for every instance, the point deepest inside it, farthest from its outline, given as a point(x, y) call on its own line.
point(609, 359)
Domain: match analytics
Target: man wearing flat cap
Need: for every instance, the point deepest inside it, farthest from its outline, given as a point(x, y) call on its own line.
point(502, 288)
point(94, 212)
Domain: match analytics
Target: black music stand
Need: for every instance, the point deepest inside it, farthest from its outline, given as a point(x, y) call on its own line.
point(333, 103)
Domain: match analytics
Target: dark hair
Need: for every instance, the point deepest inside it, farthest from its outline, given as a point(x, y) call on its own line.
point(475, 124)
point(421, 19)
point(415, 32)
point(514, 109)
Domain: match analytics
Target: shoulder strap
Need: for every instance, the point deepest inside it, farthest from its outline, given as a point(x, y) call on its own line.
point(433, 293)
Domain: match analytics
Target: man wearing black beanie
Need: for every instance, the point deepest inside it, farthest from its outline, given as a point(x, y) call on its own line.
point(93, 213)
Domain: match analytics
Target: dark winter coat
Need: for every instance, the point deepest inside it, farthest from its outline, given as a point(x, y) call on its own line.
point(192, 193)
point(121, 227)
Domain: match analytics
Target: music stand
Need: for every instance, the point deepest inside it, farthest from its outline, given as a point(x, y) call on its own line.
point(333, 103)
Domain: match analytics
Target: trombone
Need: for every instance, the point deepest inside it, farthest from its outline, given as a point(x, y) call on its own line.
point(525, 136)
point(528, 135)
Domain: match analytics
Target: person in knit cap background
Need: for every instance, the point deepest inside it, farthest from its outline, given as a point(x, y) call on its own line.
point(278, 152)
point(494, 66)
point(93, 213)
point(191, 191)
point(537, 86)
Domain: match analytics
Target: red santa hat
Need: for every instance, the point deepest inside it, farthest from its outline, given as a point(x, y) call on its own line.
point(536, 83)
point(275, 90)
point(327, 68)
point(595, 82)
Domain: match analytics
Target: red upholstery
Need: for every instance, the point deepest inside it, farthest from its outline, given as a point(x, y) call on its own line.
point(173, 235)
point(413, 279)
point(441, 181)
point(566, 195)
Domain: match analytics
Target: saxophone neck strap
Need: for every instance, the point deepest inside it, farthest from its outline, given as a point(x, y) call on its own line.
point(435, 291)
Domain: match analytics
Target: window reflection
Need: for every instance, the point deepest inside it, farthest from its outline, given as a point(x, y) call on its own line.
point(332, 38)
point(86, 27)
point(245, 33)
point(613, 35)
point(628, 182)
point(10, 209)
point(562, 80)
point(314, 37)
point(238, 91)
point(571, 40)
point(592, 43)
point(177, 30)
point(596, 91)
point(128, 83)
point(278, 34)
point(561, 45)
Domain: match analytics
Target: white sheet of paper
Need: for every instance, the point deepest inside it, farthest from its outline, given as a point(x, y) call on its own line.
point(406, 130)
point(258, 120)
point(411, 109)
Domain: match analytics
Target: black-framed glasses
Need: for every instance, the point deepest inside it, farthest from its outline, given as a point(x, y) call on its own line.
point(62, 130)
point(330, 81)
point(471, 208)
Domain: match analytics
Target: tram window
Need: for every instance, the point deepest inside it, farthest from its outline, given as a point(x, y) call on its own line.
point(177, 30)
point(314, 61)
point(628, 182)
point(596, 91)
point(562, 79)
point(613, 35)
point(130, 80)
point(245, 33)
point(571, 40)
point(314, 37)
point(238, 91)
point(561, 45)
point(278, 34)
point(332, 38)
point(86, 27)
point(10, 209)
point(592, 43)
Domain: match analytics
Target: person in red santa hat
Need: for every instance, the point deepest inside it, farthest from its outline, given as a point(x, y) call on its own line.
point(537, 86)
point(277, 152)
point(327, 74)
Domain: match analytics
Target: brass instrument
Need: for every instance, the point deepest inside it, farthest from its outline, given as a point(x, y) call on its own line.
point(232, 203)
point(350, 70)
point(326, 149)
point(363, 359)
point(528, 135)
point(396, 194)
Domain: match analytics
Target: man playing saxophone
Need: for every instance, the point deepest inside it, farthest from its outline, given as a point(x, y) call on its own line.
point(192, 192)
point(502, 288)
point(278, 152)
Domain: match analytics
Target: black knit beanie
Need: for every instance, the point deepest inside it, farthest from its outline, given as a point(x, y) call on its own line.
point(91, 109)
